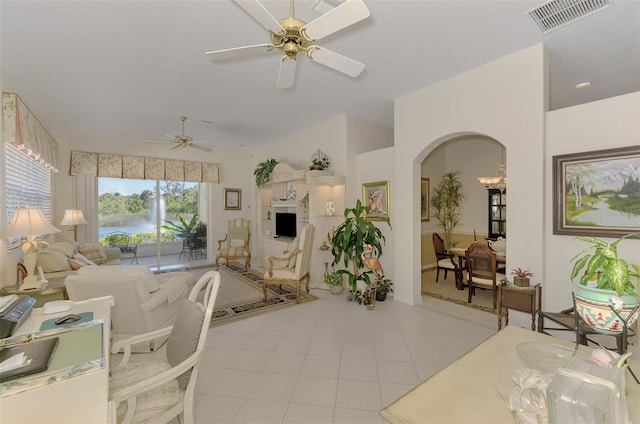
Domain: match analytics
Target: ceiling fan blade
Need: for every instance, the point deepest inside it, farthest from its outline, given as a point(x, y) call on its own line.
point(175, 146)
point(260, 14)
point(335, 61)
point(200, 147)
point(156, 141)
point(348, 13)
point(287, 73)
point(240, 52)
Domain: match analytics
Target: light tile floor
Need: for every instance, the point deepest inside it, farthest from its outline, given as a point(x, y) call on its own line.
point(330, 361)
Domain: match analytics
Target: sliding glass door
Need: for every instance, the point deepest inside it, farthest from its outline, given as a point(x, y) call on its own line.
point(165, 219)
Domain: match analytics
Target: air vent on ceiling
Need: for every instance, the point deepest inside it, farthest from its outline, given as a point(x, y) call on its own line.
point(554, 14)
point(323, 6)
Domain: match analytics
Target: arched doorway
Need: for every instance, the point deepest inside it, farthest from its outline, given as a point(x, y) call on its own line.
point(473, 155)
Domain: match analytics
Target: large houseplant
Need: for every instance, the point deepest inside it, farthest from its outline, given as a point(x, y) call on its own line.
point(446, 203)
point(348, 243)
point(606, 280)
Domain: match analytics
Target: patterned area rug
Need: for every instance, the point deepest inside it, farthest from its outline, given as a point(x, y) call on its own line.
point(277, 297)
point(445, 290)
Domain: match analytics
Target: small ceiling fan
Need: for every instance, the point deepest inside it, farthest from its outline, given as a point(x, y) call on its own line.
point(182, 140)
point(293, 36)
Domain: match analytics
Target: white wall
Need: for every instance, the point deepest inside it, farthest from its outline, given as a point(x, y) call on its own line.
point(374, 166)
point(605, 124)
point(504, 100)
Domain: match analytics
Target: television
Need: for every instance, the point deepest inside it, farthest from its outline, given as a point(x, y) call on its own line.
point(285, 224)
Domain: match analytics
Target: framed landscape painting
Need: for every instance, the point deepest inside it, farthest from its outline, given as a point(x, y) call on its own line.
point(597, 193)
point(376, 197)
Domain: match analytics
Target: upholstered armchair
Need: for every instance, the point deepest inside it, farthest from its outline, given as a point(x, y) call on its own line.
point(143, 301)
point(236, 244)
point(297, 264)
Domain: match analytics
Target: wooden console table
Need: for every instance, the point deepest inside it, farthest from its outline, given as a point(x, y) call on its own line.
point(523, 299)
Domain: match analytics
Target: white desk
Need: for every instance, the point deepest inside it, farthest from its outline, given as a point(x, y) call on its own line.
point(79, 399)
point(475, 388)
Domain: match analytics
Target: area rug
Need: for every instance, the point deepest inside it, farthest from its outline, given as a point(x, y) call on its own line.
point(446, 290)
point(277, 297)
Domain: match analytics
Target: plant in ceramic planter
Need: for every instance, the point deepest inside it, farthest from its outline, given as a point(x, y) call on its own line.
point(263, 171)
point(334, 281)
point(521, 277)
point(350, 240)
point(606, 280)
point(383, 287)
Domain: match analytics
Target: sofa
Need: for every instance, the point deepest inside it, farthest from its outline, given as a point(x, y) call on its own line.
point(142, 301)
point(64, 258)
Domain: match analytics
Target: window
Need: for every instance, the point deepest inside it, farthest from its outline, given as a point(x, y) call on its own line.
point(27, 182)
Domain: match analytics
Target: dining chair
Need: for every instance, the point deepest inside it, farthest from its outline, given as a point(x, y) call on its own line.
point(481, 271)
point(445, 261)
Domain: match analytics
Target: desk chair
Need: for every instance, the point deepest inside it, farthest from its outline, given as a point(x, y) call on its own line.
point(159, 391)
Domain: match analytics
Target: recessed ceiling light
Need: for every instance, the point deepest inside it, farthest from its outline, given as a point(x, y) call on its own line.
point(583, 84)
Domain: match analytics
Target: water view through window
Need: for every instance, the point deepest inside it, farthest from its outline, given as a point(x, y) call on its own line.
point(149, 210)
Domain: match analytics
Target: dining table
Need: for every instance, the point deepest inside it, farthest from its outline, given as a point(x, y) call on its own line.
point(460, 253)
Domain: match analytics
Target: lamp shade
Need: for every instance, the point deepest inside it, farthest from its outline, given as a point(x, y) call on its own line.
point(28, 222)
point(73, 217)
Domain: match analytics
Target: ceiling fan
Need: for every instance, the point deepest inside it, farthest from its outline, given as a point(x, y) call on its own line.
point(293, 36)
point(182, 140)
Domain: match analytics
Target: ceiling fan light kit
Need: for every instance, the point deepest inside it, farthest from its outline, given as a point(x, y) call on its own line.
point(292, 36)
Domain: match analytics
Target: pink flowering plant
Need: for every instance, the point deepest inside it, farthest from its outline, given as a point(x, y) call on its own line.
point(522, 273)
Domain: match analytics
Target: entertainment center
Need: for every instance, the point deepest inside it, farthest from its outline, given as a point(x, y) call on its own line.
point(292, 199)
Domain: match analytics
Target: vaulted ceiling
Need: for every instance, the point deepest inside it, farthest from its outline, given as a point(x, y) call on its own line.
point(106, 75)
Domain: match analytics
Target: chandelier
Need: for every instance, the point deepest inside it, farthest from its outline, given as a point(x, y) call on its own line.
point(499, 182)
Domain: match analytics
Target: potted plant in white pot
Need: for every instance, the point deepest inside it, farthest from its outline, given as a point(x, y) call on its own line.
point(335, 282)
point(606, 280)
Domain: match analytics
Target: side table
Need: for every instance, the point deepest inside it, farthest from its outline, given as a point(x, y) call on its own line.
point(523, 299)
point(55, 290)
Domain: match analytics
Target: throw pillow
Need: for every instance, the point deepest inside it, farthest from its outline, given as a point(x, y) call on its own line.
point(237, 233)
point(95, 252)
point(52, 260)
point(65, 247)
point(75, 265)
point(237, 243)
point(294, 258)
point(83, 260)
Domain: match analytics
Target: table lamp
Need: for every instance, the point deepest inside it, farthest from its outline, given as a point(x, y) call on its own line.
point(29, 223)
point(73, 217)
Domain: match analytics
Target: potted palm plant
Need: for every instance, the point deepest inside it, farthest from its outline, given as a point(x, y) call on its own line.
point(351, 240)
point(605, 285)
point(446, 204)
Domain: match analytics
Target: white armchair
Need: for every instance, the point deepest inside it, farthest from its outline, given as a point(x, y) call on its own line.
point(144, 302)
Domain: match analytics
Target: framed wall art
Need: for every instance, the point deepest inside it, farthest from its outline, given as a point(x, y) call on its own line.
point(424, 199)
point(376, 197)
point(232, 199)
point(597, 193)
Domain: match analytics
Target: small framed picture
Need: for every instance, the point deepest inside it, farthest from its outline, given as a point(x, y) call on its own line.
point(424, 199)
point(232, 199)
point(376, 197)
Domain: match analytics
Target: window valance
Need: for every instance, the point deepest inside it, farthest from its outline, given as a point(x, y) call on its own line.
point(118, 166)
point(21, 128)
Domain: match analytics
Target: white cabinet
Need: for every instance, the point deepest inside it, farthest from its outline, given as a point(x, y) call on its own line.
point(286, 193)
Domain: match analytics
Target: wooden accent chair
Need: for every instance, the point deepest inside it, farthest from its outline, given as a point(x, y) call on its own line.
point(297, 270)
point(236, 244)
point(445, 261)
point(481, 270)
